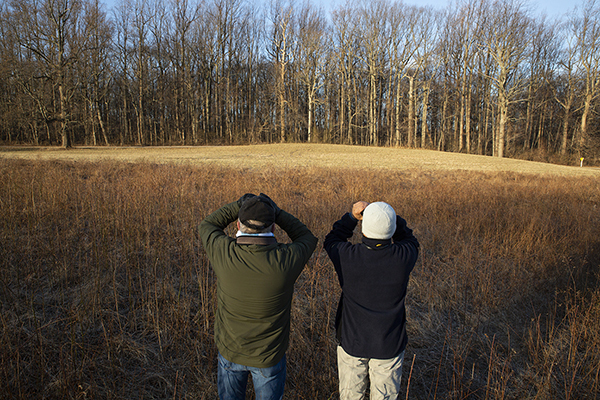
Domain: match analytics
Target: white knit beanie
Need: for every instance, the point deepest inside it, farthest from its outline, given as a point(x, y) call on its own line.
point(379, 221)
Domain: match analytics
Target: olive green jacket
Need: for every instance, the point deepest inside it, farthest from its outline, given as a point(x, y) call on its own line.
point(255, 284)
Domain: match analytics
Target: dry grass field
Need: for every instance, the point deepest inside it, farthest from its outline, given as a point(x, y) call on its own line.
point(106, 293)
point(300, 155)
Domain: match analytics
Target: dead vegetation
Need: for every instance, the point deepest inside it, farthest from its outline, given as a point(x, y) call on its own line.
point(292, 155)
point(105, 291)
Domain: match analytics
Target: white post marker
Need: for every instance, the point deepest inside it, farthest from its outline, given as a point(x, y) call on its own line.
point(581, 162)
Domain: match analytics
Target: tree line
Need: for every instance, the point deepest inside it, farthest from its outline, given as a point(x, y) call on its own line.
point(479, 76)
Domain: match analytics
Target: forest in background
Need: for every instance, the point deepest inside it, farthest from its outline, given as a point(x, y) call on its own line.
point(479, 76)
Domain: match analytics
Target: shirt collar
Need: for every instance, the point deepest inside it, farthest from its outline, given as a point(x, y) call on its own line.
point(376, 244)
point(264, 234)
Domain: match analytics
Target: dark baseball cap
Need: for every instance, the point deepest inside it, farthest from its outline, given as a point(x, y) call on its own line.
point(259, 210)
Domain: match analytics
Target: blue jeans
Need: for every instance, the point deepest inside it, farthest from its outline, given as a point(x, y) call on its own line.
point(232, 380)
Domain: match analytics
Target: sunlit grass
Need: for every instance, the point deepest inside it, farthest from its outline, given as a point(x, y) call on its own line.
point(291, 156)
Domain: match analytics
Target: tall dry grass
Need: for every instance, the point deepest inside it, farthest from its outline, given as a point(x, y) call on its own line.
point(105, 291)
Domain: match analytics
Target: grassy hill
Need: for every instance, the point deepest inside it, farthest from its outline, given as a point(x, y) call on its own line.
point(301, 155)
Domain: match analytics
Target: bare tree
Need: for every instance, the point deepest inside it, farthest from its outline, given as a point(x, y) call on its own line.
point(468, 25)
point(17, 117)
point(405, 39)
point(507, 42)
point(186, 98)
point(226, 18)
point(563, 82)
point(161, 28)
point(141, 18)
point(344, 43)
point(251, 88)
point(311, 49)
point(55, 34)
point(429, 63)
point(280, 50)
point(374, 32)
point(123, 48)
point(542, 60)
point(445, 55)
point(98, 65)
point(586, 29)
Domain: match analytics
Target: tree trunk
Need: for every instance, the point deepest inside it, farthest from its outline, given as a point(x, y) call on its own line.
point(584, 118)
point(310, 116)
point(444, 129)
point(461, 116)
point(502, 118)
point(565, 132)
point(424, 127)
point(281, 94)
point(411, 110)
point(372, 108)
point(398, 109)
point(468, 119)
point(66, 143)
point(101, 123)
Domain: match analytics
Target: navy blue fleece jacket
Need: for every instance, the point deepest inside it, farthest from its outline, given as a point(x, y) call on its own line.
point(373, 275)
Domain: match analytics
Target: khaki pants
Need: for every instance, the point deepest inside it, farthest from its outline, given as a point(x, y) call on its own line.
point(354, 373)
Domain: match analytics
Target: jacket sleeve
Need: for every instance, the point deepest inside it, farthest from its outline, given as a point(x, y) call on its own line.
point(404, 233)
point(211, 229)
point(342, 230)
point(302, 238)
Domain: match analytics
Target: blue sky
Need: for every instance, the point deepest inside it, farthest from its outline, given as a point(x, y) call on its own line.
point(553, 8)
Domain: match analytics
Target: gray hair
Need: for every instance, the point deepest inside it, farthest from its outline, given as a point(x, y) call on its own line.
point(248, 230)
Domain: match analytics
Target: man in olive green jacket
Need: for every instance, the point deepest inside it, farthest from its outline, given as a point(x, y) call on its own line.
point(255, 284)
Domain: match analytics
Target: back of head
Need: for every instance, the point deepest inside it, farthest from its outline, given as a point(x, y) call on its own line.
point(379, 221)
point(257, 213)
point(244, 229)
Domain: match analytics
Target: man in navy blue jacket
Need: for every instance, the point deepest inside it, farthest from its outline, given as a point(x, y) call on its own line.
point(371, 317)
